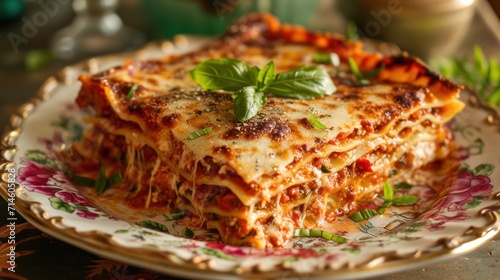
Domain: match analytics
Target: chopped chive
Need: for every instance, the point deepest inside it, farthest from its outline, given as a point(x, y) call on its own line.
point(362, 77)
point(100, 183)
point(319, 233)
point(405, 200)
point(323, 58)
point(327, 58)
point(325, 170)
point(114, 179)
point(393, 173)
point(351, 33)
point(188, 233)
point(388, 192)
point(178, 214)
point(355, 69)
point(363, 215)
point(132, 91)
point(384, 207)
point(402, 185)
point(201, 132)
point(316, 123)
point(80, 180)
point(388, 195)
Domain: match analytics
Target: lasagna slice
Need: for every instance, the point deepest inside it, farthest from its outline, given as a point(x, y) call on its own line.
point(256, 181)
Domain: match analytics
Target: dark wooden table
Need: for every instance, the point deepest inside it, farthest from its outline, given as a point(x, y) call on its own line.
point(43, 257)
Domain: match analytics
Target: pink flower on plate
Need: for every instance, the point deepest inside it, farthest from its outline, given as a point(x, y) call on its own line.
point(464, 190)
point(87, 214)
point(230, 250)
point(44, 179)
point(53, 145)
point(72, 197)
point(35, 174)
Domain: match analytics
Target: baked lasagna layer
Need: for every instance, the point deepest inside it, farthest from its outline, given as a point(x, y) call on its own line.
point(256, 181)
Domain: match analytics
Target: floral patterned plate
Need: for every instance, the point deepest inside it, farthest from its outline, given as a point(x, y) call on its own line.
point(441, 225)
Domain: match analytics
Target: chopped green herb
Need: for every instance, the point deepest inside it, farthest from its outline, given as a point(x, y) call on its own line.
point(388, 192)
point(80, 180)
point(405, 200)
point(389, 199)
point(100, 183)
point(188, 233)
point(325, 170)
point(199, 133)
point(355, 69)
point(133, 188)
point(362, 77)
point(401, 185)
point(327, 58)
point(363, 215)
point(388, 196)
point(319, 233)
point(37, 59)
point(351, 33)
point(114, 179)
point(316, 123)
point(132, 91)
point(393, 173)
point(480, 74)
point(178, 214)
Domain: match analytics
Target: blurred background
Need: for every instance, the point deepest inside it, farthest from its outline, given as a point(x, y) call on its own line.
point(39, 37)
point(71, 30)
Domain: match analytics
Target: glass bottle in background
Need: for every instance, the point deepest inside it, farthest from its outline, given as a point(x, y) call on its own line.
point(96, 30)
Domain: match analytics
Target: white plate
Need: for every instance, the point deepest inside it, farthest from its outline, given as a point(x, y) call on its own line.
point(443, 225)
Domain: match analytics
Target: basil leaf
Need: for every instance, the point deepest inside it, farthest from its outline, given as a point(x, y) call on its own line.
point(266, 75)
point(247, 103)
point(199, 133)
point(226, 74)
point(302, 83)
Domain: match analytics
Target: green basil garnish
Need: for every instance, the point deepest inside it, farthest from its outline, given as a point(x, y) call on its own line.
point(251, 84)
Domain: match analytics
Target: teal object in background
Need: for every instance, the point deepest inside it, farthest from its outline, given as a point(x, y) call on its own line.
point(11, 10)
point(211, 17)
